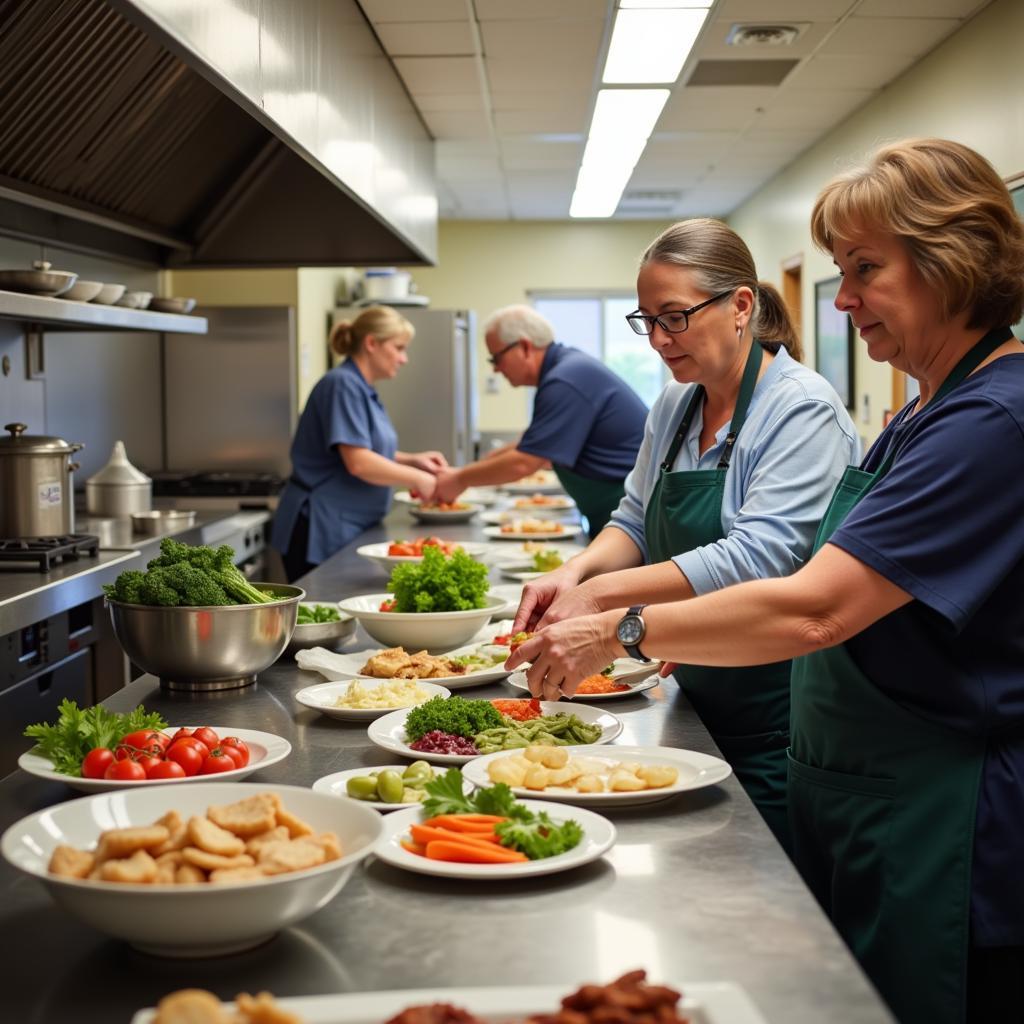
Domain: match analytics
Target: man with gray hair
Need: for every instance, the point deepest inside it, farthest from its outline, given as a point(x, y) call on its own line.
point(587, 421)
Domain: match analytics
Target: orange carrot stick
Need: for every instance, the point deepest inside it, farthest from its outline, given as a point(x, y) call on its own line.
point(471, 853)
point(423, 834)
point(466, 822)
point(417, 848)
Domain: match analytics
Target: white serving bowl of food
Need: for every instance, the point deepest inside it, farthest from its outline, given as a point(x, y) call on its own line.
point(379, 553)
point(203, 918)
point(433, 631)
point(332, 635)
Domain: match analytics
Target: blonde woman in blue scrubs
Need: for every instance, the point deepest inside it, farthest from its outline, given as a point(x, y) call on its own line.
point(345, 456)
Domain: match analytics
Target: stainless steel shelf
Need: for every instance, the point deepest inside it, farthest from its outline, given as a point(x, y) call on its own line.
point(64, 315)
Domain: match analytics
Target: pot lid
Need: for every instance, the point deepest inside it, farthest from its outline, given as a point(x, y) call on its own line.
point(28, 444)
point(118, 471)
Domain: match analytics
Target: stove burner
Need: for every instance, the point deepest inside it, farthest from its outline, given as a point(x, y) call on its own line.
point(47, 551)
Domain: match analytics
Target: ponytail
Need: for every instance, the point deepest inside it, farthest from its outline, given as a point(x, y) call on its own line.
point(382, 322)
point(773, 326)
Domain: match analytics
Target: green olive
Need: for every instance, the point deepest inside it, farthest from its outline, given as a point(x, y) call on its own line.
point(413, 796)
point(416, 769)
point(390, 787)
point(362, 787)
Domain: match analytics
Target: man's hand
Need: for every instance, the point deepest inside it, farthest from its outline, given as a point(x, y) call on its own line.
point(565, 653)
point(449, 485)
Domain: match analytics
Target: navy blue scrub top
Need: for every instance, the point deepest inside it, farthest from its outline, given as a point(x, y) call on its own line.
point(945, 525)
point(585, 417)
point(342, 408)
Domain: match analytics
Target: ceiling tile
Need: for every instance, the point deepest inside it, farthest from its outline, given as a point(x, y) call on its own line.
point(576, 100)
point(919, 8)
point(845, 71)
point(540, 10)
point(425, 75)
point(518, 154)
point(470, 101)
point(520, 122)
point(912, 36)
point(714, 46)
point(422, 38)
point(759, 142)
point(576, 43)
point(537, 75)
point(458, 124)
point(713, 108)
point(380, 11)
point(818, 108)
point(783, 10)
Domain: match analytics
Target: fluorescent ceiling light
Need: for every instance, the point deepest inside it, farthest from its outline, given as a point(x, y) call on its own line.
point(623, 121)
point(651, 45)
point(633, 5)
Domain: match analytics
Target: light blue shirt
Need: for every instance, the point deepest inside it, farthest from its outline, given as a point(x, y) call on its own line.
point(794, 446)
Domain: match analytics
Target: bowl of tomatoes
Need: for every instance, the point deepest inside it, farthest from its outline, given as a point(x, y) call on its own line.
point(153, 757)
point(388, 554)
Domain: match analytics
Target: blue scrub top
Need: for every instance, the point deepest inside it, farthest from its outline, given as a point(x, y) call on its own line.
point(944, 524)
point(585, 417)
point(342, 408)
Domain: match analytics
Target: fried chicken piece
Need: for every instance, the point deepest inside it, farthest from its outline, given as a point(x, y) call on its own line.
point(436, 1013)
point(387, 664)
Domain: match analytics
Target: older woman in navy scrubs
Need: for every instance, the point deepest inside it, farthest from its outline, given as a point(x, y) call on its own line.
point(345, 456)
point(906, 774)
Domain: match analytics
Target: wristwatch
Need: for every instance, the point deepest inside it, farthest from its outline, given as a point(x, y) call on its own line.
point(631, 630)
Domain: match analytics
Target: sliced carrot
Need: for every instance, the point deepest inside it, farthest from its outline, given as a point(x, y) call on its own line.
point(465, 822)
point(424, 834)
point(417, 848)
point(471, 853)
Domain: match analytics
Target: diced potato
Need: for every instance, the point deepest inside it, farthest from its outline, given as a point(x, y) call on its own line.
point(554, 757)
point(537, 778)
point(589, 784)
point(625, 782)
point(658, 775)
point(505, 770)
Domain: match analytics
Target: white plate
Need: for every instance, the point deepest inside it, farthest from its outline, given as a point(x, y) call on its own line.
point(265, 749)
point(322, 697)
point(598, 836)
point(351, 665)
point(438, 515)
point(716, 1002)
point(335, 785)
point(568, 531)
point(389, 732)
point(548, 503)
point(554, 515)
point(696, 771)
point(522, 576)
point(640, 677)
point(379, 553)
point(544, 481)
point(474, 495)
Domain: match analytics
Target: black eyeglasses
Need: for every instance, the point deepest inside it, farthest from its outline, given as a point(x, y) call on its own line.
point(675, 321)
point(495, 357)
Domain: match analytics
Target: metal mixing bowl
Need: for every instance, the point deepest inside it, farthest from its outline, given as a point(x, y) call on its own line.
point(215, 648)
point(331, 635)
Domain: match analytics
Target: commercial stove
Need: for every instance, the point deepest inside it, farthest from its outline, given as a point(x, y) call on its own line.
point(218, 489)
point(43, 553)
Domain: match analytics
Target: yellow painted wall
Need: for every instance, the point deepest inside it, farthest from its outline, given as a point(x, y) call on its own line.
point(318, 291)
point(970, 89)
point(483, 265)
point(236, 287)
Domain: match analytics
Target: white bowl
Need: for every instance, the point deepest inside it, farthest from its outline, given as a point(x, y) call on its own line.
point(134, 300)
point(379, 553)
point(189, 920)
point(435, 631)
point(109, 294)
point(83, 291)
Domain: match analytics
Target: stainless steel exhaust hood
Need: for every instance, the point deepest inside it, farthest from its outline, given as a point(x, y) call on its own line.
point(210, 133)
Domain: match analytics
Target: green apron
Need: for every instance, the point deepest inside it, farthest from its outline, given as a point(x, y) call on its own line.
point(596, 499)
point(746, 710)
point(883, 805)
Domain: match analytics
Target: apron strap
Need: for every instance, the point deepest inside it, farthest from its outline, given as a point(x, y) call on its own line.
point(739, 416)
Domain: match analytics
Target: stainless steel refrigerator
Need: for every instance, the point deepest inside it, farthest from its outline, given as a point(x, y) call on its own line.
point(433, 401)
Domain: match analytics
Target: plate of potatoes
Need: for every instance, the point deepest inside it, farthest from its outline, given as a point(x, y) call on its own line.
point(598, 775)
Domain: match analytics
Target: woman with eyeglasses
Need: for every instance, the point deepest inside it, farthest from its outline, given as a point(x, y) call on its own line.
point(741, 452)
point(345, 457)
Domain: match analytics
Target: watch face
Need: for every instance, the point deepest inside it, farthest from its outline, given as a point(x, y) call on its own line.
point(631, 629)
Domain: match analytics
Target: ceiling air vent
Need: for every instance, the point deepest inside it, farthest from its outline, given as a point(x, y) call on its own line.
point(764, 35)
point(766, 71)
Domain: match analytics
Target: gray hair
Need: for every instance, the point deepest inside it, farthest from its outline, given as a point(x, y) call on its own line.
point(510, 323)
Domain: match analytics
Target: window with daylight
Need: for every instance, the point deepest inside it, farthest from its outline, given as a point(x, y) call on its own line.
point(596, 323)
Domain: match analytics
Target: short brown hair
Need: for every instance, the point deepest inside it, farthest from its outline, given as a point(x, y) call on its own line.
point(951, 208)
point(382, 322)
point(720, 262)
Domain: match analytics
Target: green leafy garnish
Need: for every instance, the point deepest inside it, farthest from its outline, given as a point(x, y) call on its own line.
point(311, 614)
point(79, 730)
point(454, 715)
point(536, 835)
point(545, 561)
point(439, 584)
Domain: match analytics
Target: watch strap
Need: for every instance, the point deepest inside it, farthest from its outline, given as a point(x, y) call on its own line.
point(633, 650)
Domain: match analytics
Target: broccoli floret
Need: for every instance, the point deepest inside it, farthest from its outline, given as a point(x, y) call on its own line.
point(157, 587)
point(238, 587)
point(127, 587)
point(171, 552)
point(194, 587)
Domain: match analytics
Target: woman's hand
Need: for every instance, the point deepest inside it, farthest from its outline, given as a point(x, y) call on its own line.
point(449, 485)
point(425, 487)
point(565, 653)
point(430, 462)
point(539, 595)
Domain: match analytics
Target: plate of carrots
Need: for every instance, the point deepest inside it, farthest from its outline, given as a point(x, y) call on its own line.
point(466, 845)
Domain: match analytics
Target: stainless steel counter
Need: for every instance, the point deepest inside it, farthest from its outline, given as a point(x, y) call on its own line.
point(695, 888)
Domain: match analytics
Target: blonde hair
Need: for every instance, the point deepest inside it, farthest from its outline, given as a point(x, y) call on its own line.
point(383, 322)
point(951, 208)
point(720, 262)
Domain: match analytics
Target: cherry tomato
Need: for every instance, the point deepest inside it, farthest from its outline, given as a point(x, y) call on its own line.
point(235, 743)
point(96, 762)
point(181, 734)
point(165, 770)
point(191, 741)
point(125, 771)
point(147, 762)
point(123, 753)
point(216, 762)
point(233, 752)
point(207, 736)
point(388, 606)
point(145, 739)
point(187, 756)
